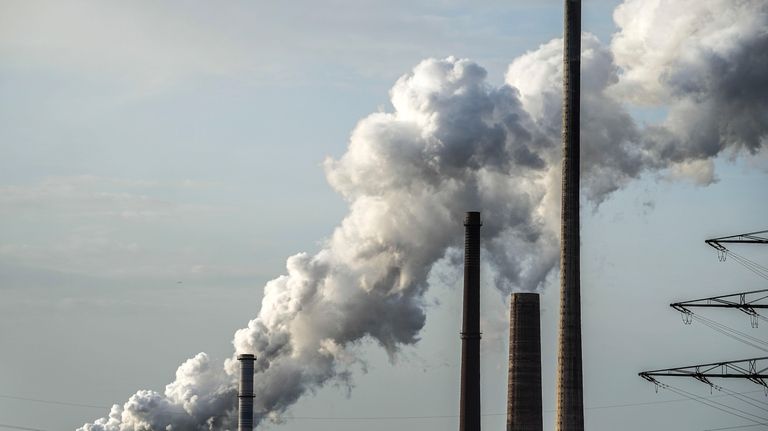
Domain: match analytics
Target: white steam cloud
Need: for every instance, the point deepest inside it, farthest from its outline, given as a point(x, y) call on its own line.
point(455, 143)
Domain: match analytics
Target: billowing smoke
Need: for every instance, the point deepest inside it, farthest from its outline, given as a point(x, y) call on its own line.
point(455, 143)
point(707, 63)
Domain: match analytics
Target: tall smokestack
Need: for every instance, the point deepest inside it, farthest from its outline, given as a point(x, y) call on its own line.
point(469, 412)
point(245, 395)
point(524, 383)
point(570, 406)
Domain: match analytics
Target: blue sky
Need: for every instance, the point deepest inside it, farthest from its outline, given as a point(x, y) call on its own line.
point(159, 162)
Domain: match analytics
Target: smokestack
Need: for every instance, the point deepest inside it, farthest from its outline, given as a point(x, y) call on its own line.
point(245, 394)
point(469, 412)
point(570, 407)
point(524, 384)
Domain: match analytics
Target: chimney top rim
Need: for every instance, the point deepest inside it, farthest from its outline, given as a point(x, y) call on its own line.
point(472, 218)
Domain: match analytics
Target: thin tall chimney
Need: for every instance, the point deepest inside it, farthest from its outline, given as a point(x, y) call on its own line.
point(524, 383)
point(570, 405)
point(469, 412)
point(245, 394)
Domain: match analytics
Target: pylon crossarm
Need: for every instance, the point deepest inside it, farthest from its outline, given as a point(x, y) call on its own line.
point(759, 237)
point(754, 370)
point(744, 301)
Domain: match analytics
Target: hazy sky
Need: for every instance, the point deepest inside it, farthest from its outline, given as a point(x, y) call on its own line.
point(160, 161)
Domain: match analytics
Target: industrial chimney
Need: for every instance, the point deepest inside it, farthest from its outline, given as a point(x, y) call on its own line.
point(469, 412)
point(570, 405)
point(245, 394)
point(524, 383)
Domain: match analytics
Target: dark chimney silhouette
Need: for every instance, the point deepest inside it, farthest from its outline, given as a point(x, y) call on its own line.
point(570, 404)
point(469, 412)
point(524, 382)
point(245, 393)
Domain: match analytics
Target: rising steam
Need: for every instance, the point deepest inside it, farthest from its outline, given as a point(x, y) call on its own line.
point(455, 143)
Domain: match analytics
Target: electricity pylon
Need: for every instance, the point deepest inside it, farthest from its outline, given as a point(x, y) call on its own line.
point(759, 237)
point(746, 302)
point(753, 370)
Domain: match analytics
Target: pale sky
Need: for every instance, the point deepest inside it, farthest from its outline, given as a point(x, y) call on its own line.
point(159, 162)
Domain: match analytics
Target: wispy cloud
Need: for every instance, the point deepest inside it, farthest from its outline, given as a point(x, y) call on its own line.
point(135, 41)
point(109, 226)
point(153, 45)
point(92, 196)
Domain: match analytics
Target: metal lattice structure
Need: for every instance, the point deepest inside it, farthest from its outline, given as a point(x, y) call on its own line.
point(746, 302)
point(753, 370)
point(759, 237)
point(742, 238)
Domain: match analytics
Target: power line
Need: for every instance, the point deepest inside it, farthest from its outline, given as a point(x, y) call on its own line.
point(733, 427)
point(377, 418)
point(750, 265)
point(350, 418)
point(732, 333)
point(20, 428)
point(745, 399)
point(714, 404)
point(63, 403)
point(609, 406)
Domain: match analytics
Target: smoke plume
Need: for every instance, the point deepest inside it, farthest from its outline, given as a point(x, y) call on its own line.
point(453, 143)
